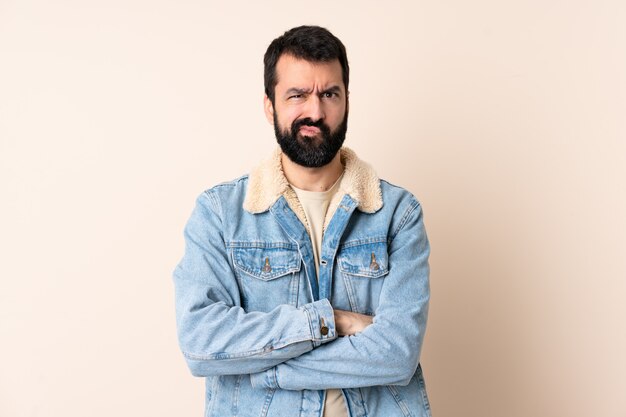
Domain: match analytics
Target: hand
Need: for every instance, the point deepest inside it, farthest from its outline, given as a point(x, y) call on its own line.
point(348, 323)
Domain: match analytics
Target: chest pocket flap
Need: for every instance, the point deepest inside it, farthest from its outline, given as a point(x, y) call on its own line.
point(364, 259)
point(267, 263)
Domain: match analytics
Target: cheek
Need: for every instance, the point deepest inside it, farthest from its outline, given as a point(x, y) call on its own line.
point(286, 118)
point(337, 117)
point(284, 125)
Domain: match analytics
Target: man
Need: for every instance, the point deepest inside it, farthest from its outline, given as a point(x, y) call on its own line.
point(304, 288)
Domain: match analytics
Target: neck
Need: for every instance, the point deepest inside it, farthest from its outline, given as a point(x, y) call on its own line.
point(312, 179)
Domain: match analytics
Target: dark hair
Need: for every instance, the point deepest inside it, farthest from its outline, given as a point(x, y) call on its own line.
point(311, 43)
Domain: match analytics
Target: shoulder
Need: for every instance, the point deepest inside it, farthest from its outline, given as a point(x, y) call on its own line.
point(227, 193)
point(228, 186)
point(400, 205)
point(396, 195)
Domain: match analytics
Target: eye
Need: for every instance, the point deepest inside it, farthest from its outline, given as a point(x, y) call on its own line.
point(329, 94)
point(295, 97)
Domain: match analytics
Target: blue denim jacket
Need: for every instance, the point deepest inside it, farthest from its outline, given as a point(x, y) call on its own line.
point(254, 320)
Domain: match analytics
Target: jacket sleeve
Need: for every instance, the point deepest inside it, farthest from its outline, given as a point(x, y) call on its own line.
point(387, 351)
point(216, 335)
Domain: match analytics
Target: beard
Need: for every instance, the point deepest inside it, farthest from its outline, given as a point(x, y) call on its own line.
point(304, 150)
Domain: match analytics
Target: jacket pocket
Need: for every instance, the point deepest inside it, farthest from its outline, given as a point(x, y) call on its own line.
point(268, 274)
point(363, 266)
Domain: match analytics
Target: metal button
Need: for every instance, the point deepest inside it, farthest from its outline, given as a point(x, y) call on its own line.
point(323, 329)
point(267, 267)
point(373, 264)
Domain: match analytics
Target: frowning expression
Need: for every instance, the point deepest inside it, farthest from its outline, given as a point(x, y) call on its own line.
point(310, 109)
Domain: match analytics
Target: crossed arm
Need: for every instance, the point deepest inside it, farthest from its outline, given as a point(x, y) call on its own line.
point(286, 348)
point(349, 323)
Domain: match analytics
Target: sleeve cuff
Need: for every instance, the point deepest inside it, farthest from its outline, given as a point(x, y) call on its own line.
point(321, 321)
point(321, 318)
point(265, 379)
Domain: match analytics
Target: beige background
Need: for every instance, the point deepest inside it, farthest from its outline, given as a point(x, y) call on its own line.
point(505, 118)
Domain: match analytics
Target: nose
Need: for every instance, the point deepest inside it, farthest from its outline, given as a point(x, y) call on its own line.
point(314, 108)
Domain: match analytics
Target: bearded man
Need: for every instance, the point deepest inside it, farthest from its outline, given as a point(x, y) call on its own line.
point(304, 286)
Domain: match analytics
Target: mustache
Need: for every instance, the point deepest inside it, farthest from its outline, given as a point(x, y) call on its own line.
point(307, 121)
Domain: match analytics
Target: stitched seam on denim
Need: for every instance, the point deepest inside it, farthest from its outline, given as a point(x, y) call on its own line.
point(263, 276)
point(215, 204)
point(268, 277)
point(310, 320)
point(241, 355)
point(405, 219)
point(268, 401)
point(243, 297)
point(348, 269)
point(399, 400)
point(275, 376)
point(293, 288)
point(365, 241)
point(261, 244)
point(422, 387)
point(382, 272)
point(351, 294)
point(214, 388)
point(362, 402)
point(235, 397)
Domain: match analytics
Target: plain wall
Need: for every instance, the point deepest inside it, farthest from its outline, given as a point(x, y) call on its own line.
point(505, 118)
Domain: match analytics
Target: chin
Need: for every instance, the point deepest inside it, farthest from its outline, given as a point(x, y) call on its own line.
point(309, 139)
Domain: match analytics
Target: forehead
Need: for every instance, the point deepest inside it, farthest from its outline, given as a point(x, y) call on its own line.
point(295, 72)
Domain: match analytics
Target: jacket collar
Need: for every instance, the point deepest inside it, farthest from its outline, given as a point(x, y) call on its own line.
point(267, 183)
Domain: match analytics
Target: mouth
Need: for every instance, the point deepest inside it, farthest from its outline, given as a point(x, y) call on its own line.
point(309, 130)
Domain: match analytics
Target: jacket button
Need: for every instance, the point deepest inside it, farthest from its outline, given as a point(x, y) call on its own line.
point(323, 329)
point(373, 264)
point(267, 267)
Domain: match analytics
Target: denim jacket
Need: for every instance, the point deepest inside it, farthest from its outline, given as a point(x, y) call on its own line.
point(254, 320)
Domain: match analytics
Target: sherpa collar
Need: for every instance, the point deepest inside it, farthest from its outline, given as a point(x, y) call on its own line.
point(267, 182)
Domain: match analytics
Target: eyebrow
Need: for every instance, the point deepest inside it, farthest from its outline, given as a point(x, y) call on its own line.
point(294, 90)
point(333, 89)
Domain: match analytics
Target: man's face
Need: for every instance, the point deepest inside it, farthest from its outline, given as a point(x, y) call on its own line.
point(310, 113)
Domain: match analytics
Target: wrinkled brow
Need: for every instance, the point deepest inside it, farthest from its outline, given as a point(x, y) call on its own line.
point(294, 90)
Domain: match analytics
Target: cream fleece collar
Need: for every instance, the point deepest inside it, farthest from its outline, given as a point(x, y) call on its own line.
point(267, 182)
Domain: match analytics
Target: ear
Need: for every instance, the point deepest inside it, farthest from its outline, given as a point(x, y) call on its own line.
point(347, 101)
point(269, 109)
